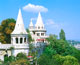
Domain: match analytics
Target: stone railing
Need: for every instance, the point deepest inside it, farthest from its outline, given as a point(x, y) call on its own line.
point(21, 46)
point(5, 46)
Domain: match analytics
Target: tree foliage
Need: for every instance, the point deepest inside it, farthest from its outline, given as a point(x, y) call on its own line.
point(62, 34)
point(20, 62)
point(6, 27)
point(70, 60)
point(59, 51)
point(29, 36)
point(21, 55)
point(20, 59)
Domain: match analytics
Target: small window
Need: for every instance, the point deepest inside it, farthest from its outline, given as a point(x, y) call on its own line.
point(38, 34)
point(21, 39)
point(33, 32)
point(42, 34)
point(42, 27)
point(16, 40)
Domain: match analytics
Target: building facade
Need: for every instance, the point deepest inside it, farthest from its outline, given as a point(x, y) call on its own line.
point(38, 31)
point(19, 37)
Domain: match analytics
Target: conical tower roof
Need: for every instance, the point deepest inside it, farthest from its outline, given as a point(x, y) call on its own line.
point(31, 24)
point(39, 21)
point(19, 27)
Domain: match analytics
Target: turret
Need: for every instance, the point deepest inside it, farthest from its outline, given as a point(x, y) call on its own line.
point(19, 34)
point(31, 25)
point(39, 24)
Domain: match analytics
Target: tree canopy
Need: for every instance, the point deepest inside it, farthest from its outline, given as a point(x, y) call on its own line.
point(6, 27)
point(29, 36)
point(58, 52)
point(62, 35)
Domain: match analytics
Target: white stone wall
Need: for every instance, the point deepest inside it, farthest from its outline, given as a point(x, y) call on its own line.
point(16, 51)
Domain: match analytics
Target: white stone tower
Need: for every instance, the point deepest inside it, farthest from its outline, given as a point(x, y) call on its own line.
point(19, 37)
point(38, 33)
point(31, 26)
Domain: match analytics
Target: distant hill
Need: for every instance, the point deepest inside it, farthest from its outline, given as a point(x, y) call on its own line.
point(73, 42)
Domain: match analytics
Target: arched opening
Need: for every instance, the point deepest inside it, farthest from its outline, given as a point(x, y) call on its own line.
point(16, 40)
point(42, 27)
point(21, 39)
point(38, 27)
point(38, 34)
point(24, 39)
point(42, 34)
point(5, 57)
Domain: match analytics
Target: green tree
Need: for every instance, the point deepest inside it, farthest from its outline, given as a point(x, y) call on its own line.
point(44, 60)
point(29, 36)
point(1, 62)
point(21, 55)
point(20, 62)
point(11, 59)
point(62, 35)
point(6, 27)
point(6, 59)
point(64, 60)
point(57, 59)
point(70, 60)
point(62, 47)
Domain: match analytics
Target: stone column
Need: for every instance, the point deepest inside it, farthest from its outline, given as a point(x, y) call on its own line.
point(23, 41)
point(14, 40)
point(26, 40)
point(18, 40)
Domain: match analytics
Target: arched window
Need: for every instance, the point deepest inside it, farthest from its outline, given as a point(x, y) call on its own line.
point(42, 27)
point(16, 40)
point(42, 34)
point(24, 39)
point(5, 56)
point(38, 34)
point(38, 27)
point(21, 40)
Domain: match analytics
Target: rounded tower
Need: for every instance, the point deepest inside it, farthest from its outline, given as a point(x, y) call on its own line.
point(19, 36)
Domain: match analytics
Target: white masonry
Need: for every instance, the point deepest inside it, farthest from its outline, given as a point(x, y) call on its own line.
point(19, 37)
point(19, 40)
point(38, 32)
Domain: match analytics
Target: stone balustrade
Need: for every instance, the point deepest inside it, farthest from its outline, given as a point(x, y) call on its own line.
point(7, 46)
point(21, 46)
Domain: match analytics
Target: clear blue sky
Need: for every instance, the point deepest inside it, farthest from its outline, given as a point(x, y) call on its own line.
point(63, 14)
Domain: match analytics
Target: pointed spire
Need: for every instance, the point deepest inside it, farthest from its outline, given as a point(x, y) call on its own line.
point(31, 24)
point(19, 27)
point(39, 21)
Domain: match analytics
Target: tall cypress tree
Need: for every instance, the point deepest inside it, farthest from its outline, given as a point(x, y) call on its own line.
point(62, 35)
